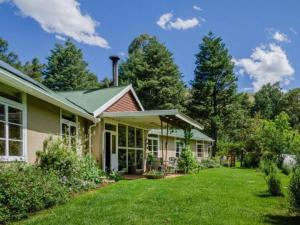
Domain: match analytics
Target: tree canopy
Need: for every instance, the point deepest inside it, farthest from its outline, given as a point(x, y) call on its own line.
point(214, 86)
point(66, 69)
point(151, 70)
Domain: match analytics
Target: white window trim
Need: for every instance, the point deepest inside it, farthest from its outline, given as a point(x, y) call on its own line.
point(203, 148)
point(152, 139)
point(23, 107)
point(178, 141)
point(69, 124)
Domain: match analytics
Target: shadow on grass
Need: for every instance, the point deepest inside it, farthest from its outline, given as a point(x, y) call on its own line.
point(266, 194)
point(282, 220)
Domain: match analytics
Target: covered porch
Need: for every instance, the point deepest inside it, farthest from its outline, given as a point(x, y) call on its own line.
point(125, 137)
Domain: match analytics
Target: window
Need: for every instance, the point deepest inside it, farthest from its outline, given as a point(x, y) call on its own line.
point(153, 145)
point(69, 128)
point(200, 149)
point(179, 146)
point(11, 131)
point(130, 149)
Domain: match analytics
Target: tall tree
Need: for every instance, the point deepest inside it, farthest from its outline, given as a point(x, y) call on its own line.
point(9, 56)
point(214, 86)
point(267, 101)
point(150, 68)
point(66, 70)
point(34, 69)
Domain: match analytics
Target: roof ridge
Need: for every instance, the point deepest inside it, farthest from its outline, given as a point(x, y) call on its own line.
point(96, 89)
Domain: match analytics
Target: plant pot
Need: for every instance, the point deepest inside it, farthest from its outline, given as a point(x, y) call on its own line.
point(132, 169)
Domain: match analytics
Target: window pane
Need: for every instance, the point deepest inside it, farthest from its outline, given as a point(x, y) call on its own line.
point(122, 135)
point(73, 131)
point(2, 112)
point(155, 142)
point(65, 129)
point(139, 138)
point(155, 154)
point(110, 127)
point(2, 147)
point(131, 157)
point(131, 137)
point(2, 130)
point(69, 116)
point(114, 147)
point(122, 159)
point(14, 115)
point(15, 148)
point(15, 132)
point(139, 159)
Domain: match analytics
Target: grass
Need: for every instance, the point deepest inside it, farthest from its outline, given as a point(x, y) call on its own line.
point(213, 197)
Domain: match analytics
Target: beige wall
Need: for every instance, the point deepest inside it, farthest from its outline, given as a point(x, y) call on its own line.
point(172, 148)
point(43, 120)
point(96, 145)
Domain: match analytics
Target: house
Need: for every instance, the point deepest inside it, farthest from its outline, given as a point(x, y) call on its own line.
point(110, 123)
point(200, 143)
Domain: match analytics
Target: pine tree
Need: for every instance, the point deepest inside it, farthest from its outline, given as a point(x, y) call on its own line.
point(34, 69)
point(66, 70)
point(214, 86)
point(151, 70)
point(7, 56)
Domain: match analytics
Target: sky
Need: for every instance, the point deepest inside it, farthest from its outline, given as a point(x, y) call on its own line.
point(261, 36)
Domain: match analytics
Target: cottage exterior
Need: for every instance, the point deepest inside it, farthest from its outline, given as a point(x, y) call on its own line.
point(110, 123)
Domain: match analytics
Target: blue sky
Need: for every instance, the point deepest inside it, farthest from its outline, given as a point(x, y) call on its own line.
point(262, 36)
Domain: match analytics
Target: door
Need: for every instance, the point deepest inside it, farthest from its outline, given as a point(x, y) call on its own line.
point(111, 155)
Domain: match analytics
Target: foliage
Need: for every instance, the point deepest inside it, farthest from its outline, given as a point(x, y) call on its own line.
point(25, 189)
point(268, 100)
point(154, 174)
point(214, 86)
point(294, 190)
point(274, 184)
point(187, 161)
point(76, 172)
point(34, 69)
point(208, 163)
point(268, 167)
point(7, 56)
point(151, 70)
point(115, 175)
point(66, 70)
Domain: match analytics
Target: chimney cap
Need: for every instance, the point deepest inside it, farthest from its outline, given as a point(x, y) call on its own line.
point(114, 58)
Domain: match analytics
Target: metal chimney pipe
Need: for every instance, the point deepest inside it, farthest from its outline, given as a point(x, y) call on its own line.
point(115, 69)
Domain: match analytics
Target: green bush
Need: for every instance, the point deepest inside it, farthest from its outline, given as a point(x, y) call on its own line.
point(268, 166)
point(154, 174)
point(25, 189)
point(274, 184)
point(286, 169)
point(115, 175)
point(187, 162)
point(208, 163)
point(294, 190)
point(78, 173)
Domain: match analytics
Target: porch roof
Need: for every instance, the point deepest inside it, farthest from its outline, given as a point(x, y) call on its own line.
point(152, 119)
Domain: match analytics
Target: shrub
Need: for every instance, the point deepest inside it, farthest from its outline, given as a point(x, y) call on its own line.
point(294, 190)
point(286, 169)
point(154, 174)
point(78, 173)
point(25, 189)
point(115, 175)
point(187, 162)
point(268, 166)
point(208, 163)
point(251, 160)
point(274, 184)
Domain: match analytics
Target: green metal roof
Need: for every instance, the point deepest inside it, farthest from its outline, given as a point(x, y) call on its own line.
point(91, 100)
point(178, 133)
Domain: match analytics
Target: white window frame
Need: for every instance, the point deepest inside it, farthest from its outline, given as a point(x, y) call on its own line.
point(200, 149)
point(70, 124)
point(180, 147)
point(151, 139)
point(23, 107)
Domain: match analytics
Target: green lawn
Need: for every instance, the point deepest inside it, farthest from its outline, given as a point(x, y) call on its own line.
point(212, 197)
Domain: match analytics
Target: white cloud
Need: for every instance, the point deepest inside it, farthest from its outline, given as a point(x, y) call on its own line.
point(63, 18)
point(61, 38)
point(267, 64)
point(197, 8)
point(165, 22)
point(280, 37)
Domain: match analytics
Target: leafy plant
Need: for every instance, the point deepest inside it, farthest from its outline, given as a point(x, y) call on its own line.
point(115, 175)
point(294, 190)
point(274, 184)
point(208, 163)
point(187, 161)
point(154, 174)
